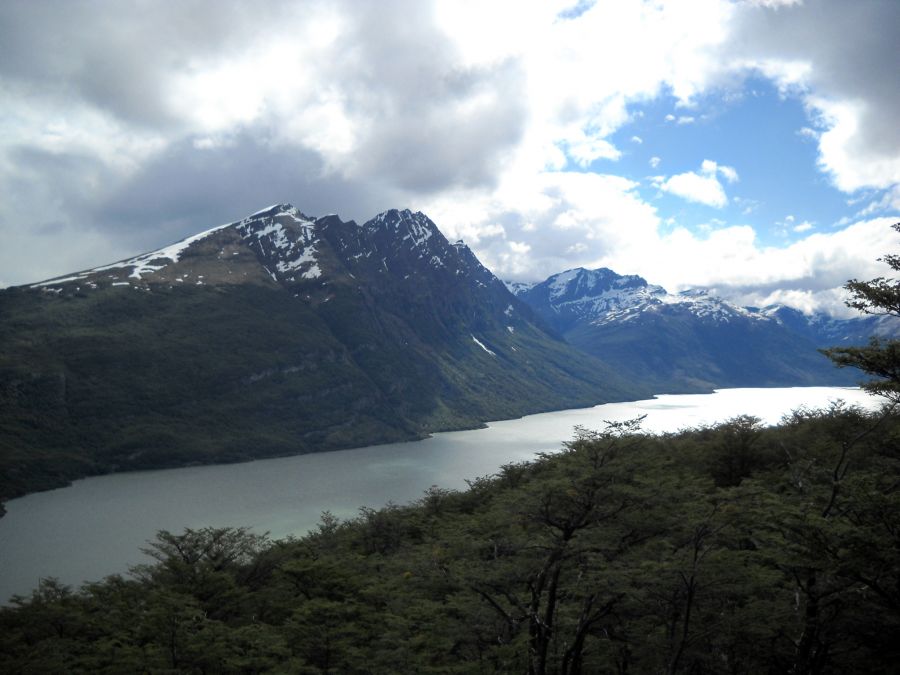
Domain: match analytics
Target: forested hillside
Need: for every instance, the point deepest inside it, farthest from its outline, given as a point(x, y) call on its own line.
point(732, 549)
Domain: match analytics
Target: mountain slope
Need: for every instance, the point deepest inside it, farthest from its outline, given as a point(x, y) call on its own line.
point(690, 341)
point(276, 334)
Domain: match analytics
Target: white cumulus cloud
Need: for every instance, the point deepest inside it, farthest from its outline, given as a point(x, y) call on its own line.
point(703, 187)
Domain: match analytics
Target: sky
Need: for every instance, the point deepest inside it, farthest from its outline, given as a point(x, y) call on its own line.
point(751, 147)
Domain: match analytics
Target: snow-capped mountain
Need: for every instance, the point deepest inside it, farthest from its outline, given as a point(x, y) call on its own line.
point(289, 248)
point(278, 333)
point(601, 296)
point(689, 340)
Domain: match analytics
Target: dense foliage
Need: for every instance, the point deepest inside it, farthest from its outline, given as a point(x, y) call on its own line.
point(730, 549)
point(881, 357)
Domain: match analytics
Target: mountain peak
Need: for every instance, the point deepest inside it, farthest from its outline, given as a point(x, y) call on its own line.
point(399, 218)
point(579, 283)
point(271, 210)
point(277, 211)
point(285, 239)
point(413, 227)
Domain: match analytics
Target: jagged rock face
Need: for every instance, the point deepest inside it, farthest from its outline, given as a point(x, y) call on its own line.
point(407, 265)
point(276, 334)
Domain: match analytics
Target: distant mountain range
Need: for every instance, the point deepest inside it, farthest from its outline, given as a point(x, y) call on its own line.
point(692, 341)
point(276, 334)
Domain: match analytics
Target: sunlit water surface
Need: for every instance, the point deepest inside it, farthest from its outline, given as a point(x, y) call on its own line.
point(96, 526)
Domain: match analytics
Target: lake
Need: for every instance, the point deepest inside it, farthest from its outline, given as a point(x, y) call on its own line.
point(96, 526)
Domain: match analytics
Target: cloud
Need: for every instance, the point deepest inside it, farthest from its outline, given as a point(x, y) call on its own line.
point(139, 127)
point(889, 201)
point(774, 3)
point(364, 86)
point(405, 98)
point(122, 59)
point(654, 162)
point(591, 220)
point(703, 187)
point(729, 173)
point(735, 264)
point(821, 263)
point(836, 54)
point(565, 218)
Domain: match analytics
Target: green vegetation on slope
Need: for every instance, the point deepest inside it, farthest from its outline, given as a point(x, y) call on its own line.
point(119, 379)
point(101, 382)
point(733, 549)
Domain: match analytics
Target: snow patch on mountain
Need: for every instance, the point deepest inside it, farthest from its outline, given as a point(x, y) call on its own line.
point(266, 210)
point(518, 287)
point(481, 344)
point(285, 234)
point(148, 263)
point(172, 253)
point(628, 305)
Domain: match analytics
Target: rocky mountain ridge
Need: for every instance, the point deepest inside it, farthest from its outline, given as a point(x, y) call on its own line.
point(602, 296)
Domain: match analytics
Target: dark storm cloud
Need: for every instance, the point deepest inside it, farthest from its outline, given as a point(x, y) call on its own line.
point(431, 146)
point(433, 124)
point(187, 189)
point(426, 124)
point(120, 56)
point(854, 49)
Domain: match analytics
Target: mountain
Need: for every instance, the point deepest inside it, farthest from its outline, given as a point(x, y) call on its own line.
point(827, 331)
point(277, 334)
point(690, 341)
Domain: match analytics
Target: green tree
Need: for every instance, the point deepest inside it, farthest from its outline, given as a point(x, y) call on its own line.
point(881, 357)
